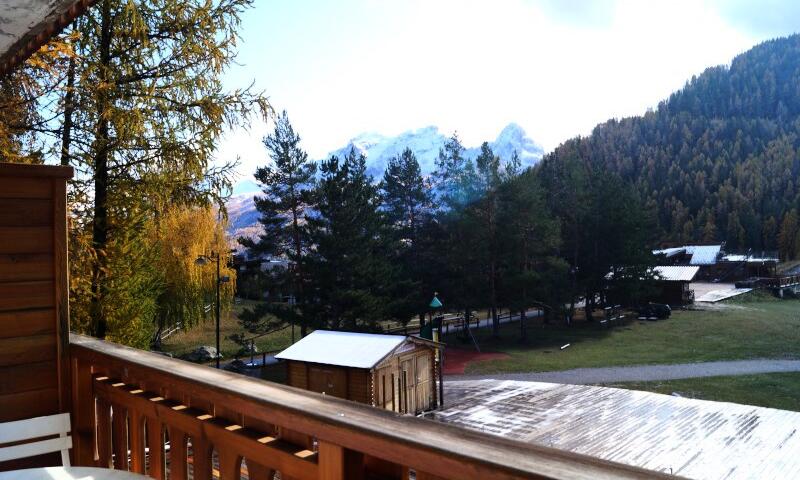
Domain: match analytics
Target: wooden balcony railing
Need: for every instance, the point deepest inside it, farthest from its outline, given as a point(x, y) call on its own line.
point(139, 411)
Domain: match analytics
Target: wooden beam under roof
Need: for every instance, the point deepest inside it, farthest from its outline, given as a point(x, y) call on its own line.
point(26, 25)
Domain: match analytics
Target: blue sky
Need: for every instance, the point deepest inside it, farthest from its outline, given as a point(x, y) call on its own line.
point(556, 67)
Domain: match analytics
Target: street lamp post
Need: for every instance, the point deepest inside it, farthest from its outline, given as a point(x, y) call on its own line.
point(203, 260)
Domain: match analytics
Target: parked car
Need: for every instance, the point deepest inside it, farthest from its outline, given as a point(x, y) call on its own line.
point(655, 310)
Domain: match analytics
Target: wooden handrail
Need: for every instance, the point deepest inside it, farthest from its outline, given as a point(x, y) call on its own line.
point(277, 428)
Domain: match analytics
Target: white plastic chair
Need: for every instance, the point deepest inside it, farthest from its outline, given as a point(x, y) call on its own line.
point(35, 429)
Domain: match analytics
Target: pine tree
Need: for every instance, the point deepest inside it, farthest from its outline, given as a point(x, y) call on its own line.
point(348, 269)
point(533, 274)
point(407, 204)
point(485, 211)
point(789, 235)
point(454, 178)
point(287, 184)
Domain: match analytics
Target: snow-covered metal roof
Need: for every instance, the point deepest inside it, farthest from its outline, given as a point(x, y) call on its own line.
point(684, 437)
point(676, 273)
point(345, 349)
point(669, 252)
point(749, 259)
point(701, 254)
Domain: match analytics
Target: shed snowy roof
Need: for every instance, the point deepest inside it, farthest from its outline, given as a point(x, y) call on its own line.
point(346, 349)
point(676, 273)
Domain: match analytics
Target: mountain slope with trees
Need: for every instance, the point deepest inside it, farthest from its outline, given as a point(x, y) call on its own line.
point(717, 160)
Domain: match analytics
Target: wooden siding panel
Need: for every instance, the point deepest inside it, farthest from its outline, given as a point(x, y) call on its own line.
point(26, 267)
point(14, 240)
point(34, 376)
point(27, 323)
point(25, 188)
point(34, 337)
point(24, 350)
point(17, 406)
point(25, 212)
point(26, 295)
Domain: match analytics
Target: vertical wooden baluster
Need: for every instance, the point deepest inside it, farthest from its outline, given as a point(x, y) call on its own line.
point(83, 426)
point(155, 446)
point(136, 425)
point(259, 472)
point(230, 464)
point(119, 435)
point(201, 459)
point(103, 433)
point(177, 454)
point(331, 461)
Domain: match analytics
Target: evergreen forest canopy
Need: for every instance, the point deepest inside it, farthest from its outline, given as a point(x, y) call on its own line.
point(718, 161)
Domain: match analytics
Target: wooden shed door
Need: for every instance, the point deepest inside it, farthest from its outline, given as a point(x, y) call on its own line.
point(328, 381)
point(407, 379)
point(423, 381)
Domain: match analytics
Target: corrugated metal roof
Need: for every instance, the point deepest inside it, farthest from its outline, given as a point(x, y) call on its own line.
point(676, 273)
point(669, 252)
point(686, 437)
point(703, 254)
point(346, 349)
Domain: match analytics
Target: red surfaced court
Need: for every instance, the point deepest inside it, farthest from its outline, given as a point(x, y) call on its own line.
point(456, 360)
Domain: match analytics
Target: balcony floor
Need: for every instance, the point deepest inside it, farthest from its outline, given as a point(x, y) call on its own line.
point(681, 436)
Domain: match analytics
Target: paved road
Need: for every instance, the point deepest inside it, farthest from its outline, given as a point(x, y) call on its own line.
point(645, 373)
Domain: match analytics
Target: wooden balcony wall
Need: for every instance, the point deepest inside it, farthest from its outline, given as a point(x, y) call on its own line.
point(34, 316)
point(128, 400)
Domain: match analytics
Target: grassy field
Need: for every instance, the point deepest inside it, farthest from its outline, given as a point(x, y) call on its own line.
point(774, 390)
point(205, 334)
point(752, 328)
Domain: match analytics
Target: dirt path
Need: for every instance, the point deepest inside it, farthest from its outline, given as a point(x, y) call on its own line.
point(646, 373)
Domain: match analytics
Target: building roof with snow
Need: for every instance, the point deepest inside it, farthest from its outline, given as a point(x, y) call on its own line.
point(679, 436)
point(677, 273)
point(345, 349)
point(700, 254)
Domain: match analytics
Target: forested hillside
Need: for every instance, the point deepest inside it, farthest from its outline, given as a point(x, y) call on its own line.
point(718, 160)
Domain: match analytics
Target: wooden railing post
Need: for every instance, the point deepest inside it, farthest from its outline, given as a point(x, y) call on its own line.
point(177, 454)
point(331, 461)
point(83, 415)
point(136, 426)
point(155, 447)
point(119, 436)
point(201, 459)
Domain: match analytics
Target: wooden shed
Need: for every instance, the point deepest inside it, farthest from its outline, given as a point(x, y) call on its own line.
point(394, 372)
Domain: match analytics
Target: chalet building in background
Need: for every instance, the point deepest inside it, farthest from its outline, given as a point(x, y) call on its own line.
point(717, 265)
point(393, 372)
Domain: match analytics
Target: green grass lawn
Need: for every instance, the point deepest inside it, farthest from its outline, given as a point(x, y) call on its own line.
point(205, 334)
point(762, 328)
point(774, 390)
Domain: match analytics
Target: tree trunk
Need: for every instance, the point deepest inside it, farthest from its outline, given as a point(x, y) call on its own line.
point(523, 331)
point(495, 322)
point(589, 306)
point(101, 178)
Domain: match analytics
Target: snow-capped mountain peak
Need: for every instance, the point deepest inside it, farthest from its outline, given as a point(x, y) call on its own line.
point(425, 142)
